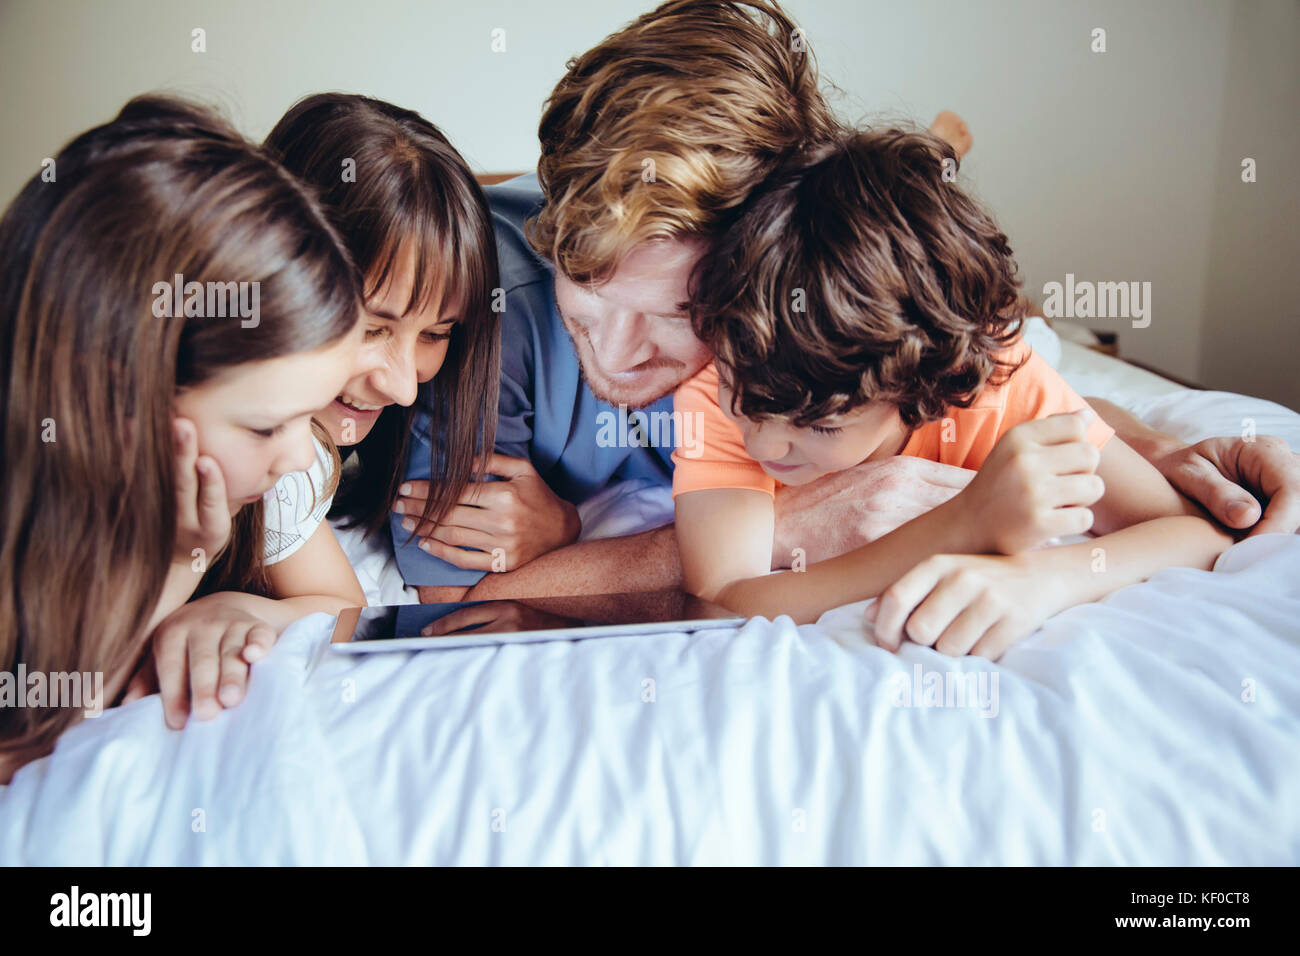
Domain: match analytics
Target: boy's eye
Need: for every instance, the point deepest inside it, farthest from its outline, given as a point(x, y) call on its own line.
point(266, 432)
point(826, 430)
point(437, 336)
point(375, 332)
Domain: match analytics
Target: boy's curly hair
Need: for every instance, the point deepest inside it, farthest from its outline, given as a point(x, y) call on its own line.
point(858, 274)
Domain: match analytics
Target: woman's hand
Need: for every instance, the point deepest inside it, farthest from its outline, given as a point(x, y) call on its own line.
point(202, 510)
point(199, 659)
point(519, 515)
point(966, 604)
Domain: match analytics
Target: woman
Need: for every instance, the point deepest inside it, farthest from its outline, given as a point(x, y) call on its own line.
point(418, 227)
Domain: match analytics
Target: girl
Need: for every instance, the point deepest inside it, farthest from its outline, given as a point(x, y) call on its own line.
point(114, 403)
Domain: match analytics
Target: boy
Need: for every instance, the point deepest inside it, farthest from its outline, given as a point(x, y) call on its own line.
point(862, 307)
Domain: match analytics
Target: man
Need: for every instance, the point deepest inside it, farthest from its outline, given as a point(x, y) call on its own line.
point(648, 141)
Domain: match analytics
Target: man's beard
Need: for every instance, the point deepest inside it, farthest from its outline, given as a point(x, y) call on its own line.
point(615, 399)
point(612, 397)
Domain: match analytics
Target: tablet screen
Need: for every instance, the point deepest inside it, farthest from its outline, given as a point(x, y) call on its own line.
point(477, 623)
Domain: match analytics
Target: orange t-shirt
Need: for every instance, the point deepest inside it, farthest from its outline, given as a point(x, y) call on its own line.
point(964, 437)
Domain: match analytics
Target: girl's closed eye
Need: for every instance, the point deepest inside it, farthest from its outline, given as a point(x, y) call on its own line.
point(267, 432)
point(827, 429)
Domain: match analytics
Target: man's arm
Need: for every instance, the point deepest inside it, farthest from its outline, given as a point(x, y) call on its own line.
point(637, 562)
point(825, 518)
point(1230, 477)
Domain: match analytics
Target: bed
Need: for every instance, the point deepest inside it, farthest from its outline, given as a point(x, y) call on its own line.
point(1160, 726)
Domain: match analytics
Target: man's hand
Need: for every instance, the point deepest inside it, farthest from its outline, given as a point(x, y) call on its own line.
point(1229, 477)
point(520, 515)
point(495, 617)
point(850, 508)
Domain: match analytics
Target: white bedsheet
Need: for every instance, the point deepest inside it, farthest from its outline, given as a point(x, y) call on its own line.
point(1161, 726)
point(1117, 734)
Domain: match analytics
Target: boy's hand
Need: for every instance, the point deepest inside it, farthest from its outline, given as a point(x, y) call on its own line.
point(202, 511)
point(966, 604)
point(201, 655)
point(520, 515)
point(1037, 484)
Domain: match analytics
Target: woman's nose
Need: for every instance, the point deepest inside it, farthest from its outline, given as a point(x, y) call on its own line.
point(396, 379)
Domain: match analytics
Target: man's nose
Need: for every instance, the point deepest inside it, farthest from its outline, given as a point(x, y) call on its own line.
point(621, 342)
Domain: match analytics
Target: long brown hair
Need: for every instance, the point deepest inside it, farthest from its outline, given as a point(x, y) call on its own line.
point(87, 525)
point(411, 191)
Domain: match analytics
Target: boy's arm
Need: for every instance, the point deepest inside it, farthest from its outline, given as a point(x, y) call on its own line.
point(962, 604)
point(715, 568)
point(1135, 491)
point(982, 604)
point(1037, 484)
point(724, 536)
point(828, 517)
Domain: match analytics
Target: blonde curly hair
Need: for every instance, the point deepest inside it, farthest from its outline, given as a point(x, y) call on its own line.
point(663, 127)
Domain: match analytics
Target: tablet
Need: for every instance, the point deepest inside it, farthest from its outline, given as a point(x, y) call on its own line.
point(421, 627)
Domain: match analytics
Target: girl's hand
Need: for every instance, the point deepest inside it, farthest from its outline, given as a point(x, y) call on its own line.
point(1038, 483)
point(200, 658)
point(966, 604)
point(202, 511)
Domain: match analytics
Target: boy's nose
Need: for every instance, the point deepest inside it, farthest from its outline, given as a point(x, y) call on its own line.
point(764, 444)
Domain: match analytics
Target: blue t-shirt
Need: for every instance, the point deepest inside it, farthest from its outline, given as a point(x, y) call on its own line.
point(547, 414)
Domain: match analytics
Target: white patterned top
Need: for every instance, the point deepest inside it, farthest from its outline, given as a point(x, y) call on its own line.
point(295, 508)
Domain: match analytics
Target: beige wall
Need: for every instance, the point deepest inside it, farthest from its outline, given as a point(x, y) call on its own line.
point(1114, 166)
